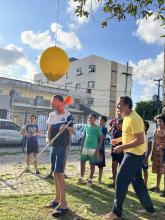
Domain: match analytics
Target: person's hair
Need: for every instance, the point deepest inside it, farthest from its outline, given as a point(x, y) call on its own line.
point(93, 115)
point(59, 97)
point(120, 121)
point(127, 101)
point(147, 125)
point(162, 117)
point(102, 117)
point(32, 115)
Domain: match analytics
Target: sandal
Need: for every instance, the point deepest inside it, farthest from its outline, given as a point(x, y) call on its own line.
point(162, 194)
point(52, 205)
point(155, 189)
point(59, 212)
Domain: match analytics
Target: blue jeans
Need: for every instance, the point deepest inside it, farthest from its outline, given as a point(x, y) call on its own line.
point(130, 172)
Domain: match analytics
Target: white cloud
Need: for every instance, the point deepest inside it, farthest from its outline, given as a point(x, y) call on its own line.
point(145, 71)
point(37, 41)
point(67, 40)
point(12, 59)
point(43, 40)
point(150, 30)
point(29, 67)
point(10, 54)
point(91, 5)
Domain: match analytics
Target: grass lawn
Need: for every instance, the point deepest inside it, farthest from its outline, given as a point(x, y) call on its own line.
point(88, 203)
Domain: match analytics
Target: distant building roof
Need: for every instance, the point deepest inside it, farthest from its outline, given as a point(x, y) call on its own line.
point(71, 59)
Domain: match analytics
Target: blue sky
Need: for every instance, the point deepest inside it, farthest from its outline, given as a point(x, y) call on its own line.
point(26, 29)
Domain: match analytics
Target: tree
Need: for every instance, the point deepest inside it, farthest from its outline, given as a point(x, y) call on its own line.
point(148, 109)
point(121, 10)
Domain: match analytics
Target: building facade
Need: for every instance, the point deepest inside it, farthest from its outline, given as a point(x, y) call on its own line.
point(18, 99)
point(94, 82)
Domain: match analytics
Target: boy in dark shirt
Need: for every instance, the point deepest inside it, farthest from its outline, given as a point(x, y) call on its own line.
point(31, 131)
point(116, 157)
point(101, 163)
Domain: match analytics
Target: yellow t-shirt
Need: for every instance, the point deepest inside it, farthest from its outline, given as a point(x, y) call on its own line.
point(132, 125)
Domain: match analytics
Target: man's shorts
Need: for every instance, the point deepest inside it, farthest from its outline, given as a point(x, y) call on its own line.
point(87, 154)
point(117, 157)
point(101, 163)
point(58, 158)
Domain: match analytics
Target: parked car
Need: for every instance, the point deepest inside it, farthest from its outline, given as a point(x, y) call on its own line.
point(10, 133)
point(77, 137)
point(79, 131)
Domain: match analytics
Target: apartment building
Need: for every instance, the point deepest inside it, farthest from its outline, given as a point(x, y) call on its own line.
point(94, 82)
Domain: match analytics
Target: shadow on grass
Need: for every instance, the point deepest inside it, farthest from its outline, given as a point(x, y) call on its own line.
point(99, 200)
point(158, 204)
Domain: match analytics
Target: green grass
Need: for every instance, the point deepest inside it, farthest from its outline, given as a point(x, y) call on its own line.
point(89, 203)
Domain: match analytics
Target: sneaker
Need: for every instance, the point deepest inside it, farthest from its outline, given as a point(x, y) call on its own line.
point(49, 176)
point(59, 212)
point(111, 177)
point(65, 176)
point(112, 185)
point(145, 212)
point(155, 189)
point(27, 170)
point(80, 181)
point(89, 183)
point(52, 205)
point(37, 172)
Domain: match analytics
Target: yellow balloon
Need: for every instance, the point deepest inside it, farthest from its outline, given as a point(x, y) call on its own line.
point(54, 63)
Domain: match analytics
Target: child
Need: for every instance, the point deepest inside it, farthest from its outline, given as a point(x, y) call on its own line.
point(91, 144)
point(101, 163)
point(116, 157)
point(31, 131)
point(158, 165)
point(56, 123)
point(147, 154)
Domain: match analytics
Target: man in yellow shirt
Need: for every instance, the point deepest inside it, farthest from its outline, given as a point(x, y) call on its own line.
point(134, 146)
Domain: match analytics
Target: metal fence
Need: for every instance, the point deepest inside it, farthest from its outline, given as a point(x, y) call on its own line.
point(12, 141)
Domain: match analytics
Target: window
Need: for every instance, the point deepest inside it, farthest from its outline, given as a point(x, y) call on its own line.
point(114, 71)
point(90, 101)
point(77, 101)
point(92, 68)
point(78, 85)
point(39, 100)
point(39, 81)
point(91, 84)
point(3, 113)
point(89, 91)
point(79, 71)
point(68, 85)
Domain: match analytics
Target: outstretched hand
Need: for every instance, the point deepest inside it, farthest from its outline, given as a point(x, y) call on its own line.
point(118, 149)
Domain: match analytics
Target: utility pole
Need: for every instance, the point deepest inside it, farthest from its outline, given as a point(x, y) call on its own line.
point(164, 78)
point(158, 102)
point(159, 85)
point(127, 74)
